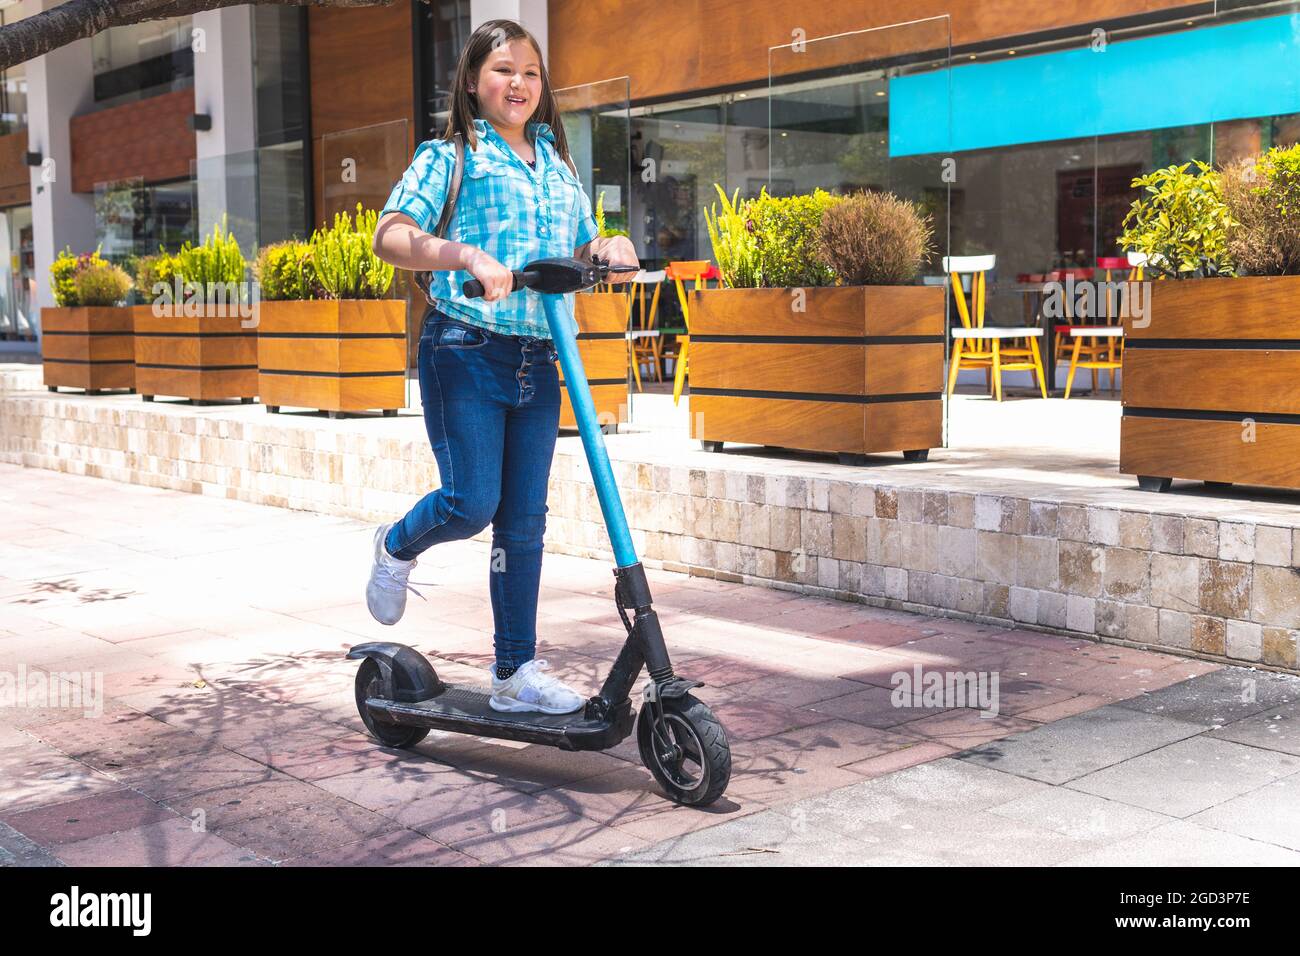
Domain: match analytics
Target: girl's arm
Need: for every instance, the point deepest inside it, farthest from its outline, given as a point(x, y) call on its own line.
point(399, 241)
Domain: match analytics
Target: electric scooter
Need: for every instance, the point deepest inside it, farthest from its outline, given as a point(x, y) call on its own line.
point(681, 742)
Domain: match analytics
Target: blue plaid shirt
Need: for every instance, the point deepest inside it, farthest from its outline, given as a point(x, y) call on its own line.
point(514, 213)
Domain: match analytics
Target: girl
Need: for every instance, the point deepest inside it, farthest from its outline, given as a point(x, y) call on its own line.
point(488, 377)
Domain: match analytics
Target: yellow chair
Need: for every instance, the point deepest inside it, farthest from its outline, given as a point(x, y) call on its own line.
point(975, 345)
point(1101, 348)
point(646, 340)
point(699, 271)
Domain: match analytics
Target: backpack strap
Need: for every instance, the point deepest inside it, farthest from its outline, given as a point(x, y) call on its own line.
point(424, 279)
point(453, 190)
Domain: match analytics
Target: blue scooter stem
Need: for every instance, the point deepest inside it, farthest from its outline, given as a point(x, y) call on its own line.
point(593, 440)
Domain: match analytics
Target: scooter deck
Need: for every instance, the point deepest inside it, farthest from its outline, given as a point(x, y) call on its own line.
point(464, 708)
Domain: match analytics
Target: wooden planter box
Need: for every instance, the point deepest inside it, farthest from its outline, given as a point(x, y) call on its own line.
point(202, 358)
point(334, 355)
point(602, 343)
point(88, 347)
point(1210, 384)
point(860, 370)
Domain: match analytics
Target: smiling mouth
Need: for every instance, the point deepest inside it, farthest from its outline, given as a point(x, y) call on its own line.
point(516, 99)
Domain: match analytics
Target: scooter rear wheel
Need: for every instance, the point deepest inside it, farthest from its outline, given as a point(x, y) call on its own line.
point(694, 765)
point(370, 684)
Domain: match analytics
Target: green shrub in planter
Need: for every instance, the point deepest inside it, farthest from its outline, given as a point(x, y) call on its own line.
point(345, 262)
point(152, 270)
point(285, 271)
point(218, 261)
point(787, 238)
point(1263, 198)
point(735, 243)
point(102, 284)
point(874, 238)
point(63, 275)
point(1181, 223)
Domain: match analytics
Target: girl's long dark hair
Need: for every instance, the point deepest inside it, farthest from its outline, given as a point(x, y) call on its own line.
point(464, 104)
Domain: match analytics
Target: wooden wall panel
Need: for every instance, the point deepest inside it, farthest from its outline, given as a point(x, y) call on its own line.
point(150, 138)
point(1249, 307)
point(1210, 451)
point(903, 426)
point(362, 74)
point(15, 178)
point(812, 426)
point(903, 369)
point(1244, 380)
point(700, 44)
point(823, 370)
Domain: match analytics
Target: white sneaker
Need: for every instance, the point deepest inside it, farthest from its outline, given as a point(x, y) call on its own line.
point(529, 689)
point(386, 591)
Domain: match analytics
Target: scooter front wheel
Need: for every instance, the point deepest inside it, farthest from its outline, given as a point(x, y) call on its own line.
point(369, 684)
point(690, 758)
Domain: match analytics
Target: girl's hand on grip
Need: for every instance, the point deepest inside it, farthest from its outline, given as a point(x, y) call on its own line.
point(498, 282)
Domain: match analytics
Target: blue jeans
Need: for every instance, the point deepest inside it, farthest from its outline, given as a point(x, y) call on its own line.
point(492, 410)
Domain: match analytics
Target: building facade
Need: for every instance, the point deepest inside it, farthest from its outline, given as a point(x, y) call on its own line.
point(1019, 126)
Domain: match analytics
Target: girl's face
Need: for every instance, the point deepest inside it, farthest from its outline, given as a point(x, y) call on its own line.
point(509, 85)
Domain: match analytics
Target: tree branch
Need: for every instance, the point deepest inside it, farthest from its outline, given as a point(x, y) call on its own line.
point(77, 19)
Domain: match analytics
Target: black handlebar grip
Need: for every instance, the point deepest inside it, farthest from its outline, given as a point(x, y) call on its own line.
point(473, 289)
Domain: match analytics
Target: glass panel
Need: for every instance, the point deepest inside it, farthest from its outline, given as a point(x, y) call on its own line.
point(834, 124)
point(281, 200)
point(678, 153)
point(17, 275)
point(119, 217)
point(597, 126)
point(360, 166)
point(226, 194)
point(598, 129)
point(133, 218)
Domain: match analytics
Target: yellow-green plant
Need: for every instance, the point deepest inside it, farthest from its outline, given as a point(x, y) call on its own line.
point(63, 275)
point(787, 228)
point(102, 283)
point(1181, 222)
point(285, 271)
point(769, 241)
point(603, 230)
point(735, 246)
point(151, 270)
point(1263, 197)
point(345, 262)
point(217, 262)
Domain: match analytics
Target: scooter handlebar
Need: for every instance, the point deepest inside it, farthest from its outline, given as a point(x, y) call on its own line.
point(558, 276)
point(473, 289)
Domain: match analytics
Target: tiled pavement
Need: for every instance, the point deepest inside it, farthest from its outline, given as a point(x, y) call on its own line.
point(1199, 773)
point(229, 734)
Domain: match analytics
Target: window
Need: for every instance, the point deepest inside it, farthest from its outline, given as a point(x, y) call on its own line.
point(142, 60)
point(443, 28)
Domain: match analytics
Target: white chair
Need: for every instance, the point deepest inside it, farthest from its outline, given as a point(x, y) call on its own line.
point(998, 350)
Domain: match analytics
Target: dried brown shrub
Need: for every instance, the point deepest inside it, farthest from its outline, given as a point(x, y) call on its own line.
point(874, 238)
